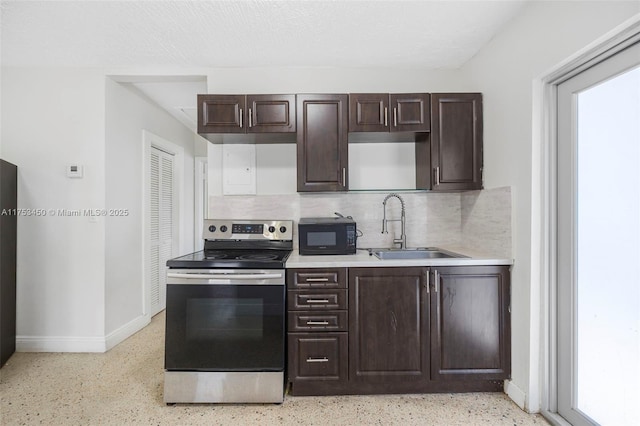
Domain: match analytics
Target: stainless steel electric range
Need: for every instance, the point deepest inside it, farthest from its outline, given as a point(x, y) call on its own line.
point(225, 316)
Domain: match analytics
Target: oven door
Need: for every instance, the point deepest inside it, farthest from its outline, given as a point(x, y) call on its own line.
point(225, 320)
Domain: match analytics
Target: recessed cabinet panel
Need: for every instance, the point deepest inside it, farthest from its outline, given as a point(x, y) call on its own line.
point(388, 324)
point(369, 112)
point(221, 113)
point(271, 113)
point(456, 141)
point(410, 112)
point(470, 323)
point(317, 299)
point(317, 278)
point(322, 143)
point(317, 357)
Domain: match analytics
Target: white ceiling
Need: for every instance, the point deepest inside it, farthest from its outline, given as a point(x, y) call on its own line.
point(257, 33)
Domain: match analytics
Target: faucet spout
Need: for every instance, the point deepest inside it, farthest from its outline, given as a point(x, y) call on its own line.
point(402, 241)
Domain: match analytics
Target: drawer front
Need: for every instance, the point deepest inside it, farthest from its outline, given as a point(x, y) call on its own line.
point(317, 278)
point(317, 321)
point(314, 356)
point(317, 300)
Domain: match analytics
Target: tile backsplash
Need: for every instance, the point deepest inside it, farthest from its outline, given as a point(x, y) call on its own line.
point(475, 219)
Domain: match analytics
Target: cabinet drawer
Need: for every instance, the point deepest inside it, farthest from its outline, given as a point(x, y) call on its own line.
point(318, 356)
point(317, 278)
point(317, 299)
point(318, 321)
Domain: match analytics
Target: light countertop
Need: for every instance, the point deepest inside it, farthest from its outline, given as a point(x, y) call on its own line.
point(363, 259)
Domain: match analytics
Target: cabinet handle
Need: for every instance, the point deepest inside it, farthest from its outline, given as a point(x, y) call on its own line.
point(317, 322)
point(317, 280)
point(437, 171)
point(436, 279)
point(323, 359)
point(386, 117)
point(395, 117)
point(344, 177)
point(317, 300)
point(428, 281)
point(241, 118)
point(250, 119)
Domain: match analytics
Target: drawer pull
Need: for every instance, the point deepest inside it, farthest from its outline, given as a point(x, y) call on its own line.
point(317, 322)
point(324, 359)
point(317, 300)
point(318, 280)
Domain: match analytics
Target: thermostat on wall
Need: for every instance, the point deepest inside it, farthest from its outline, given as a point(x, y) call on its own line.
point(74, 171)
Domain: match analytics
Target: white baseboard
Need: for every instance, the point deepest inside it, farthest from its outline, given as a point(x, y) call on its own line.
point(81, 344)
point(515, 393)
point(59, 344)
point(127, 330)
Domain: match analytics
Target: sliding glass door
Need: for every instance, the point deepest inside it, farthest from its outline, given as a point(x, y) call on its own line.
point(598, 263)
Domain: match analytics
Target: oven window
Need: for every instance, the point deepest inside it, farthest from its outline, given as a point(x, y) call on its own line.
point(321, 239)
point(225, 327)
point(225, 318)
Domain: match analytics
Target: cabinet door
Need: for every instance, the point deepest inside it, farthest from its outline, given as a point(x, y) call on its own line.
point(271, 113)
point(221, 114)
point(410, 112)
point(317, 357)
point(322, 142)
point(470, 323)
point(456, 141)
point(388, 325)
point(369, 112)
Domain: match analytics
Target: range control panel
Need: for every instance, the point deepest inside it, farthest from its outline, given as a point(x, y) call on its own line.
point(271, 230)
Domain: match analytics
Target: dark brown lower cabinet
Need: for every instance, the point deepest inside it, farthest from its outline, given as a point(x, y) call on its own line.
point(470, 326)
point(317, 363)
point(388, 325)
point(406, 330)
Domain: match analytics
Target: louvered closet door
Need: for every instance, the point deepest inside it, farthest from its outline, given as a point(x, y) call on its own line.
point(161, 224)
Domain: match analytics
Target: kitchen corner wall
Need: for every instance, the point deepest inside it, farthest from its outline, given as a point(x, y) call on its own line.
point(479, 220)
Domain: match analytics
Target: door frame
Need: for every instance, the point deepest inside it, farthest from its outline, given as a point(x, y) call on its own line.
point(544, 210)
point(201, 200)
point(150, 140)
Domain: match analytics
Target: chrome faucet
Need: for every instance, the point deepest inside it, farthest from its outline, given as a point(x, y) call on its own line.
point(403, 238)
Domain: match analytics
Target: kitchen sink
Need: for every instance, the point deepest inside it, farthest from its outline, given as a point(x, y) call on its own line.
point(413, 253)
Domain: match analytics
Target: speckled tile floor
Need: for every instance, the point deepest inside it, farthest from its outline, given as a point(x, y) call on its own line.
point(124, 386)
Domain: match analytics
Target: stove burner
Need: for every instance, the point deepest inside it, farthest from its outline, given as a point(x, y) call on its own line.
point(215, 255)
point(258, 256)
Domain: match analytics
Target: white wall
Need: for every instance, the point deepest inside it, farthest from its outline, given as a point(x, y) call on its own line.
point(79, 277)
point(127, 114)
point(52, 118)
point(543, 35)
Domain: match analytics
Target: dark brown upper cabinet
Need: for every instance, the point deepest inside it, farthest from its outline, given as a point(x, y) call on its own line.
point(450, 157)
point(322, 122)
point(383, 112)
point(246, 114)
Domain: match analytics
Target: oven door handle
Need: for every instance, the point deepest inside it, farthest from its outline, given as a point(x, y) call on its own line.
point(224, 276)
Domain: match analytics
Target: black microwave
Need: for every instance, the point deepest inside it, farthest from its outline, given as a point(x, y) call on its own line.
point(326, 235)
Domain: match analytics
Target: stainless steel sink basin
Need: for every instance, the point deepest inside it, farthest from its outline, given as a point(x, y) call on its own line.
point(413, 253)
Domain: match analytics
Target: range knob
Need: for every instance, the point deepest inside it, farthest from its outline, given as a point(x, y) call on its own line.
point(212, 228)
point(272, 229)
point(223, 228)
point(283, 229)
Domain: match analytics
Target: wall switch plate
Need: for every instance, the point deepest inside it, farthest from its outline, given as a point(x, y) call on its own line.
point(74, 171)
